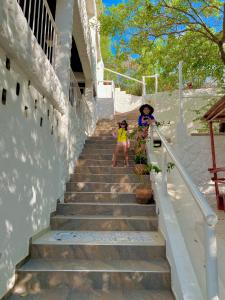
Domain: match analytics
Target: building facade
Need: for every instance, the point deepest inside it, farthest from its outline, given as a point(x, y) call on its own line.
point(50, 68)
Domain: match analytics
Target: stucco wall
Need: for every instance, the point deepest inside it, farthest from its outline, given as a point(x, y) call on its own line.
point(31, 163)
point(194, 151)
point(126, 102)
point(166, 106)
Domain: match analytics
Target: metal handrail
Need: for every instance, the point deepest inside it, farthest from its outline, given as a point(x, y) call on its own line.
point(207, 212)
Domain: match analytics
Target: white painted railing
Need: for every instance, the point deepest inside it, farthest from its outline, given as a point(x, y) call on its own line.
point(74, 89)
point(209, 219)
point(42, 24)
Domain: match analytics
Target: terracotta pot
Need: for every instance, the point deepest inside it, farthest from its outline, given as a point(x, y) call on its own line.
point(144, 194)
point(140, 169)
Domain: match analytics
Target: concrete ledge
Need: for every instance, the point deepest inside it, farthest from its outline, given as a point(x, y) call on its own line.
point(184, 281)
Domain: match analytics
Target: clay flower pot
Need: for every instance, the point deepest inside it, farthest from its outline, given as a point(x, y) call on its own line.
point(144, 194)
point(140, 169)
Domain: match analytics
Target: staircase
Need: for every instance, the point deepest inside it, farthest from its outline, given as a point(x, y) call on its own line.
point(102, 245)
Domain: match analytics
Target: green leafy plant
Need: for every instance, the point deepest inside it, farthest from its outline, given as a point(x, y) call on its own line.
point(140, 159)
point(170, 166)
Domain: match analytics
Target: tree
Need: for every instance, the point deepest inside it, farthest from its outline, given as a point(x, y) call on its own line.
point(162, 32)
point(163, 18)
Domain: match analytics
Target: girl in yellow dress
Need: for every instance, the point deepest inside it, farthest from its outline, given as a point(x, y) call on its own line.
point(122, 142)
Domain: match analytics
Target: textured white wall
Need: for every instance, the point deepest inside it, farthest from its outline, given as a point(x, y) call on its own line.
point(126, 102)
point(194, 151)
point(105, 108)
point(31, 161)
point(166, 106)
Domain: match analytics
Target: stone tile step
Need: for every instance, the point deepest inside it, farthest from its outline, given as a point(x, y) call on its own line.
point(104, 170)
point(103, 223)
point(105, 209)
point(92, 150)
point(100, 141)
point(99, 163)
point(101, 138)
point(96, 146)
point(96, 274)
point(101, 187)
point(63, 292)
point(104, 156)
point(99, 197)
point(109, 178)
point(103, 245)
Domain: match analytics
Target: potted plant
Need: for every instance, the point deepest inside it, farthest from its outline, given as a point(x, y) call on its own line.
point(144, 192)
point(140, 164)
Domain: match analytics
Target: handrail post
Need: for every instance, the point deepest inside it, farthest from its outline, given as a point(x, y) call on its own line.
point(151, 138)
point(164, 171)
point(211, 263)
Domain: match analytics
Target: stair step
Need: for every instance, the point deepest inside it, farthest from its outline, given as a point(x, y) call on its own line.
point(78, 274)
point(130, 178)
point(103, 223)
point(103, 156)
point(100, 245)
point(104, 170)
point(105, 209)
point(93, 150)
point(96, 146)
point(64, 292)
point(101, 187)
point(100, 163)
point(101, 138)
point(100, 197)
point(101, 141)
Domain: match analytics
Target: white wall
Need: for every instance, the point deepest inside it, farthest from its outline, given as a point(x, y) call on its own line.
point(126, 102)
point(105, 108)
point(31, 164)
point(166, 106)
point(194, 151)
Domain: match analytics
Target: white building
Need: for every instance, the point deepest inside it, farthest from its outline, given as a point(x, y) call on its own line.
point(50, 64)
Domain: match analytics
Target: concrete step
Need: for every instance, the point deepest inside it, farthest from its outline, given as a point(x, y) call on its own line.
point(96, 146)
point(104, 170)
point(104, 223)
point(101, 187)
point(105, 209)
point(99, 163)
point(104, 156)
point(101, 138)
point(100, 141)
point(90, 150)
point(99, 245)
point(63, 292)
point(109, 178)
point(95, 274)
point(88, 197)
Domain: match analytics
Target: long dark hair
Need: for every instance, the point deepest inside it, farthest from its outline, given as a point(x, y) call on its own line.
point(124, 122)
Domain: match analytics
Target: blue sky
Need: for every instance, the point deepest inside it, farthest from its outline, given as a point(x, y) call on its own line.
point(110, 2)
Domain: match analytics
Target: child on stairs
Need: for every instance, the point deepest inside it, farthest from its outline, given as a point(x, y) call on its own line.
point(122, 142)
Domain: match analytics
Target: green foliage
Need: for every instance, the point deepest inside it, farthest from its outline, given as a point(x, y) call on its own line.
point(140, 159)
point(161, 33)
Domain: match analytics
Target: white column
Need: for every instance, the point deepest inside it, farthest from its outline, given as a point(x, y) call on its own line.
point(64, 22)
point(181, 132)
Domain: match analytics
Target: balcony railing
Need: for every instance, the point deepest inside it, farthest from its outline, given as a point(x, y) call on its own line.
point(42, 24)
point(74, 91)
